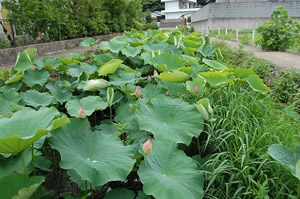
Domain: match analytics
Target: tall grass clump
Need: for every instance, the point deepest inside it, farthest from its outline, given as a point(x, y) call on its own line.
point(234, 150)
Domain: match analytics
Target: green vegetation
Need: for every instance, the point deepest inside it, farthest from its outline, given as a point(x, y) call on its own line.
point(153, 114)
point(280, 32)
point(78, 18)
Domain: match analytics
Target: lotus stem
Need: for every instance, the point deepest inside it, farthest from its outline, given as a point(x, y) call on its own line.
point(86, 189)
point(24, 164)
point(110, 113)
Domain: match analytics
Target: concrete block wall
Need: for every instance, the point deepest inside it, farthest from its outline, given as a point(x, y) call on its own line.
point(9, 55)
point(239, 15)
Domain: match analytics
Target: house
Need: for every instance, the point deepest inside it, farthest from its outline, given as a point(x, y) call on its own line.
point(240, 14)
point(175, 10)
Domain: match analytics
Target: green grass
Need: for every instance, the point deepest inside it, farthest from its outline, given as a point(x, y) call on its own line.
point(246, 124)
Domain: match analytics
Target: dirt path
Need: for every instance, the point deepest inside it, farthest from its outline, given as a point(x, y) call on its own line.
point(281, 60)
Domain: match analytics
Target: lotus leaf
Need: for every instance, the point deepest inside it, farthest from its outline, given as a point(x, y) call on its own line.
point(89, 104)
point(36, 77)
point(214, 64)
point(129, 51)
point(215, 78)
point(168, 118)
point(31, 52)
point(61, 94)
point(15, 78)
point(197, 83)
point(112, 45)
point(15, 137)
point(36, 99)
point(175, 77)
point(23, 62)
point(96, 157)
point(168, 61)
point(102, 58)
point(75, 70)
point(19, 186)
point(257, 84)
point(95, 84)
point(89, 42)
point(168, 173)
point(110, 67)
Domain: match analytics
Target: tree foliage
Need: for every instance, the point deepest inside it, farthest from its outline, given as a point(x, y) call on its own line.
point(153, 5)
point(65, 19)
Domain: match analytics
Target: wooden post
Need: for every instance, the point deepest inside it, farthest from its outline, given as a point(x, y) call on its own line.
point(237, 34)
point(253, 36)
point(226, 31)
point(219, 32)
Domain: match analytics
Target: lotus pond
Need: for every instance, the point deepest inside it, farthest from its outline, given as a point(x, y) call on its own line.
point(137, 118)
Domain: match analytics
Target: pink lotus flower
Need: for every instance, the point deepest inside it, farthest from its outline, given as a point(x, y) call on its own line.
point(147, 147)
point(196, 89)
point(82, 113)
point(138, 92)
point(149, 78)
point(155, 72)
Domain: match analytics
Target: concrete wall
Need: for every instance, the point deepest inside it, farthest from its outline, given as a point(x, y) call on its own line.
point(9, 55)
point(239, 15)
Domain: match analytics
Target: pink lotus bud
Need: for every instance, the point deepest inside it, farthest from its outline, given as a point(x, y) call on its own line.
point(147, 147)
point(168, 92)
point(82, 113)
point(155, 72)
point(149, 78)
point(196, 89)
point(138, 92)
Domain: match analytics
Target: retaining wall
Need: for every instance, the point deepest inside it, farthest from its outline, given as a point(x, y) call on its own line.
point(9, 55)
point(239, 15)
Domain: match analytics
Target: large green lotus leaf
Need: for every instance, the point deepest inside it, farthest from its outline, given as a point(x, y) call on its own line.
point(75, 70)
point(31, 52)
point(214, 64)
point(48, 63)
point(14, 86)
point(122, 77)
point(112, 45)
point(168, 173)
point(125, 114)
point(23, 62)
point(89, 104)
point(75, 177)
point(172, 119)
point(243, 72)
point(15, 78)
point(150, 91)
point(197, 83)
point(175, 77)
point(148, 56)
point(14, 164)
point(129, 51)
point(36, 99)
point(215, 78)
point(282, 154)
point(257, 84)
point(60, 93)
point(168, 62)
point(95, 156)
point(207, 49)
point(10, 96)
point(77, 56)
point(5, 108)
point(27, 126)
point(142, 195)
point(88, 42)
point(36, 77)
point(191, 43)
point(95, 84)
point(162, 47)
point(102, 58)
point(190, 59)
point(110, 67)
point(19, 186)
point(297, 173)
point(120, 193)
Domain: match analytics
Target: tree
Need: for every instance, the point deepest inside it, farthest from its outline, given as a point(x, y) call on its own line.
point(153, 5)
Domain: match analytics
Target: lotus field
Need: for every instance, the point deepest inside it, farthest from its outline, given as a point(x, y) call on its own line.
point(129, 120)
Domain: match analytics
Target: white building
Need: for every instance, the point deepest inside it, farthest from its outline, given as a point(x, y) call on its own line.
point(174, 9)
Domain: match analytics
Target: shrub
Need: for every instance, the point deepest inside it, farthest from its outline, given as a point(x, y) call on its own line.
point(278, 33)
point(4, 43)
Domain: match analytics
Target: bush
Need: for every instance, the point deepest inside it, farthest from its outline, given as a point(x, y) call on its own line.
point(280, 32)
point(4, 43)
